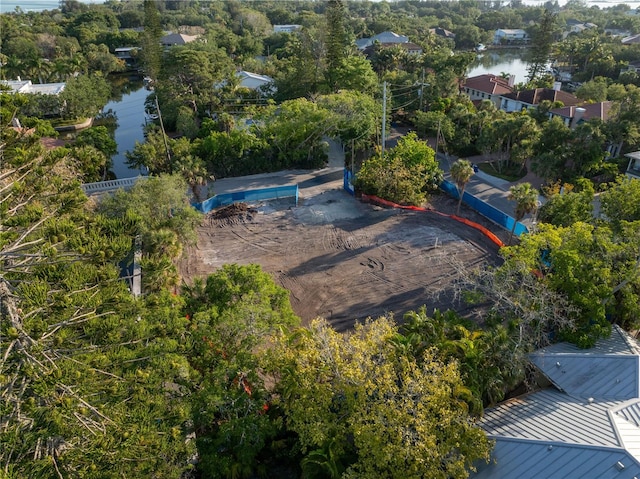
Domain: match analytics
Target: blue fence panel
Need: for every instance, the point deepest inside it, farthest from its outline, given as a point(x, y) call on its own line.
point(347, 185)
point(225, 199)
point(485, 209)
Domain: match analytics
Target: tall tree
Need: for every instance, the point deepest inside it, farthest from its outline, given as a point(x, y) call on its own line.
point(461, 171)
point(542, 40)
point(85, 367)
point(235, 314)
point(336, 40)
point(151, 52)
point(526, 198)
point(373, 412)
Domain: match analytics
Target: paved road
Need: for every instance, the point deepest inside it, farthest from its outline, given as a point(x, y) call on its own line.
point(494, 191)
point(307, 180)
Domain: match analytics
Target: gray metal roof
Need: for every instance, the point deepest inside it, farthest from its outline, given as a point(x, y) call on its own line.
point(618, 343)
point(513, 458)
point(600, 377)
point(610, 370)
point(551, 415)
point(588, 426)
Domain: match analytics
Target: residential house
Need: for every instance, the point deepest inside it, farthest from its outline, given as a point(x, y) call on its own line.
point(584, 422)
point(633, 169)
point(487, 87)
point(631, 40)
point(507, 36)
point(441, 32)
point(632, 67)
point(577, 27)
point(575, 114)
point(254, 81)
point(410, 48)
point(173, 39)
point(262, 84)
point(25, 86)
point(520, 100)
point(128, 55)
point(384, 38)
point(286, 28)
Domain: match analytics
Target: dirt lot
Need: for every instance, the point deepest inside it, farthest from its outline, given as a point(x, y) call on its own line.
point(345, 260)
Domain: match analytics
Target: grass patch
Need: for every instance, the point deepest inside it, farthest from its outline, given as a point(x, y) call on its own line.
point(67, 122)
point(510, 172)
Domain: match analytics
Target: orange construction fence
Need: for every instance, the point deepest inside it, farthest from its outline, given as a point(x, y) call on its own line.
point(379, 201)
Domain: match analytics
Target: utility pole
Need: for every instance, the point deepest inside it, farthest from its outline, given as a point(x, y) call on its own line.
point(164, 135)
point(384, 115)
point(422, 90)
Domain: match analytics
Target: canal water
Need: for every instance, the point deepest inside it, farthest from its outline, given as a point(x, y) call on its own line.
point(498, 62)
point(127, 104)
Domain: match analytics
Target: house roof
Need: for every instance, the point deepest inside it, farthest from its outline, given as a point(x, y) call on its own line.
point(512, 31)
point(537, 95)
point(598, 110)
point(384, 37)
point(408, 46)
point(442, 32)
point(177, 39)
point(541, 459)
point(587, 426)
point(632, 40)
point(488, 83)
point(254, 76)
point(25, 86)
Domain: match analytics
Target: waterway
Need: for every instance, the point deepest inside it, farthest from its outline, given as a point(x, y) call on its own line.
point(7, 6)
point(127, 104)
point(498, 62)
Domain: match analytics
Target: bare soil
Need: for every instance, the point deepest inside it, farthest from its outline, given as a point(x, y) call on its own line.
point(345, 260)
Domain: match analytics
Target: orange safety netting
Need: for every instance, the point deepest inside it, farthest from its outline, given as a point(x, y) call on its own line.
point(379, 201)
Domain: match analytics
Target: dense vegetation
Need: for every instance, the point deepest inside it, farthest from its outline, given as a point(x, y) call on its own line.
point(219, 379)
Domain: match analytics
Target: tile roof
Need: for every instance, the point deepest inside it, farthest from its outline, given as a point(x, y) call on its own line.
point(488, 83)
point(537, 95)
point(592, 110)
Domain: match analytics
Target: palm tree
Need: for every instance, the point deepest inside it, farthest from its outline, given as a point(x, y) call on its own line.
point(461, 172)
point(526, 198)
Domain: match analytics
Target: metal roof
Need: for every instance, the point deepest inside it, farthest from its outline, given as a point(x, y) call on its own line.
point(589, 427)
point(513, 458)
point(610, 370)
point(553, 416)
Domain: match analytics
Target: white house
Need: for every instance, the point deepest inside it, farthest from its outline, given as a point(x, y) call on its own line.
point(254, 81)
point(384, 38)
point(574, 115)
point(633, 169)
point(584, 423)
point(581, 27)
point(508, 36)
point(487, 87)
point(263, 84)
point(25, 86)
point(286, 28)
point(525, 99)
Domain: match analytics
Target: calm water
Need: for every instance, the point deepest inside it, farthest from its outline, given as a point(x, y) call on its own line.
point(34, 5)
point(498, 62)
point(129, 111)
point(39, 5)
